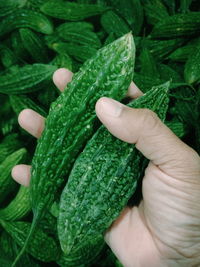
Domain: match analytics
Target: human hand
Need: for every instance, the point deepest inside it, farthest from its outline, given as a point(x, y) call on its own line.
point(165, 229)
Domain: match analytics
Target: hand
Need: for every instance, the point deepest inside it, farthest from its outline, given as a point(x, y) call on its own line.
point(165, 229)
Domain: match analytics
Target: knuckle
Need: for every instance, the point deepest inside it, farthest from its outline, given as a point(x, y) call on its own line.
point(150, 118)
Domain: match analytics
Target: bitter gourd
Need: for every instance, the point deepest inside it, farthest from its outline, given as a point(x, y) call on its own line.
point(19, 207)
point(6, 182)
point(8, 6)
point(25, 79)
point(20, 102)
point(192, 67)
point(71, 11)
point(102, 180)
point(34, 45)
point(111, 22)
point(83, 258)
point(42, 246)
point(79, 52)
point(78, 34)
point(25, 18)
point(8, 145)
point(71, 119)
point(178, 25)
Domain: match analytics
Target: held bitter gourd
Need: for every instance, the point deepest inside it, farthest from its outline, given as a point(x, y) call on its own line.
point(70, 122)
point(42, 246)
point(102, 180)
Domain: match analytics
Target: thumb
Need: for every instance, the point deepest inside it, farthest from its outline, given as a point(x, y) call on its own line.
point(156, 141)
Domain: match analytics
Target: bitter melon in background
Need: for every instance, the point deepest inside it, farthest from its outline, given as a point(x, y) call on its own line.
point(102, 180)
point(71, 11)
point(25, 18)
point(19, 207)
point(25, 79)
point(70, 122)
point(7, 184)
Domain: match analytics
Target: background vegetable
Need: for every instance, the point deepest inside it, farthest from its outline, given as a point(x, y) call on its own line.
point(39, 36)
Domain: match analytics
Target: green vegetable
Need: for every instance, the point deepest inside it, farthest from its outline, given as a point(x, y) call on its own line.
point(192, 67)
point(8, 58)
point(155, 11)
point(25, 79)
point(7, 184)
point(102, 180)
point(111, 22)
point(72, 118)
point(70, 11)
point(34, 45)
point(79, 52)
point(19, 207)
point(78, 33)
point(42, 246)
point(179, 25)
point(20, 102)
point(24, 18)
point(8, 6)
point(8, 145)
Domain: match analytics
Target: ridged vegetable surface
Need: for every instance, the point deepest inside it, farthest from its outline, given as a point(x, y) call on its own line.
point(42, 246)
point(8, 145)
point(70, 122)
point(111, 22)
point(25, 18)
point(25, 79)
point(75, 32)
point(192, 66)
point(19, 207)
point(34, 45)
point(20, 102)
point(102, 180)
point(6, 182)
point(70, 11)
point(179, 25)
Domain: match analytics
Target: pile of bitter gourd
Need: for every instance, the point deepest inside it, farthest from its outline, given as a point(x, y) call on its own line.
point(82, 176)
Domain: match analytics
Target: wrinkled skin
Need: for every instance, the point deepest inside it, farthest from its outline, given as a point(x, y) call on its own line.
point(164, 230)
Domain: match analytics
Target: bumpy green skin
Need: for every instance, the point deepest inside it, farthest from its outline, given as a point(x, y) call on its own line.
point(155, 11)
point(131, 11)
point(178, 25)
point(75, 32)
point(161, 48)
point(34, 45)
point(177, 127)
point(24, 18)
point(6, 182)
point(8, 145)
point(102, 180)
point(10, 248)
point(20, 102)
point(79, 52)
point(111, 22)
point(8, 58)
point(41, 247)
point(85, 257)
point(63, 61)
point(8, 6)
point(145, 82)
point(71, 119)
point(19, 207)
point(71, 11)
point(25, 79)
point(192, 67)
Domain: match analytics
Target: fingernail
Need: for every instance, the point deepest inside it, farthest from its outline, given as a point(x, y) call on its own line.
point(111, 107)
